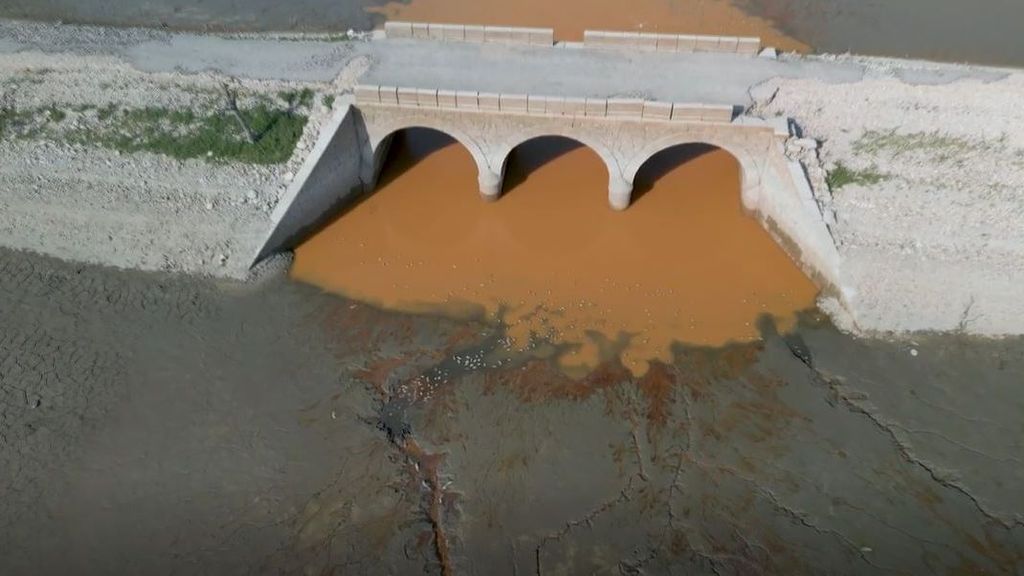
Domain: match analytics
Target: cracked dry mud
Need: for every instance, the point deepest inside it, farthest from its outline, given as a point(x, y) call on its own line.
point(154, 424)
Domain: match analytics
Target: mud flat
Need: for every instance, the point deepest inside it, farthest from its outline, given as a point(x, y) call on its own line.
point(161, 424)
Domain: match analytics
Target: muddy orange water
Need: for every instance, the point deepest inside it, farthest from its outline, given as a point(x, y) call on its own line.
point(551, 259)
point(570, 18)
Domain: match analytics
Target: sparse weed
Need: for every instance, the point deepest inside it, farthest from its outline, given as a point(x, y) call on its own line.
point(942, 147)
point(183, 134)
point(841, 175)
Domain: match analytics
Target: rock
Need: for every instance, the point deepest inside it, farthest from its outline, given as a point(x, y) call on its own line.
point(913, 351)
point(806, 143)
point(209, 205)
point(769, 53)
point(250, 195)
point(289, 176)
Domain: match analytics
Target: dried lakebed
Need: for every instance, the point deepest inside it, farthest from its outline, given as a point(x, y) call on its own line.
point(159, 424)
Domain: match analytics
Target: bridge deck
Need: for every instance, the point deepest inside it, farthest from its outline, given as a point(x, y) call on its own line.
point(585, 72)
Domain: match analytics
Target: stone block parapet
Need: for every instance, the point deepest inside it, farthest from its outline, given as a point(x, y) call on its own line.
point(537, 104)
point(744, 45)
point(470, 33)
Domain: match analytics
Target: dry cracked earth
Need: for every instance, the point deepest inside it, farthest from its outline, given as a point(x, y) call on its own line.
point(153, 424)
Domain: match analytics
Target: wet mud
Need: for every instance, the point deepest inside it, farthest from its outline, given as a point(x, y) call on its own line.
point(551, 261)
point(982, 32)
point(159, 425)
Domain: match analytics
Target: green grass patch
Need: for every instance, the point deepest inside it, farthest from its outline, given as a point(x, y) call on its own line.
point(841, 176)
point(54, 114)
point(328, 101)
point(216, 136)
point(106, 112)
point(942, 147)
point(297, 98)
point(13, 121)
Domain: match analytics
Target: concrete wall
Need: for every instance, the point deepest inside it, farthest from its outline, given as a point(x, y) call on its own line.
point(334, 173)
point(672, 42)
point(470, 33)
point(534, 104)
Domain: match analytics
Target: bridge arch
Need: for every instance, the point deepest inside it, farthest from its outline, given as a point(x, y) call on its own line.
point(750, 167)
point(506, 151)
point(611, 160)
point(380, 142)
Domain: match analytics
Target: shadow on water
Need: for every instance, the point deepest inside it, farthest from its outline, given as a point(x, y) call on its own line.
point(409, 147)
point(659, 165)
point(534, 154)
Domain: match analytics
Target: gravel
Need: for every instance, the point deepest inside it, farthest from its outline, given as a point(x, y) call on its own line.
point(140, 210)
point(937, 244)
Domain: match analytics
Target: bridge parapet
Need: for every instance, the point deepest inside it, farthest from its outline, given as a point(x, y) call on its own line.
point(746, 45)
point(470, 33)
point(534, 104)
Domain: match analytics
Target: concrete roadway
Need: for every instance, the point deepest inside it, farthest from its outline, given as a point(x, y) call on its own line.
point(564, 70)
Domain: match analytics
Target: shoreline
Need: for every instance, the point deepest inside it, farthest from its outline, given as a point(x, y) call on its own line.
point(913, 244)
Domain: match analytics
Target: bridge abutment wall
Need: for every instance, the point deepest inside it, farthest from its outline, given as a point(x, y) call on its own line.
point(338, 169)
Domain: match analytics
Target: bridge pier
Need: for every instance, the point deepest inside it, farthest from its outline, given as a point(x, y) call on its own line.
point(620, 192)
point(490, 184)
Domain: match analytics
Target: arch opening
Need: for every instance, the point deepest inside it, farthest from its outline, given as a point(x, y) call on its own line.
point(404, 148)
point(664, 162)
point(533, 155)
point(662, 158)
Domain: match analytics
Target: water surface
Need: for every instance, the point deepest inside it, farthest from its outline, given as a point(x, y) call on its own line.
point(551, 260)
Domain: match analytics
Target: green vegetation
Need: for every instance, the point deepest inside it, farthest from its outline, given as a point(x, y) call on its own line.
point(7, 117)
point(12, 120)
point(296, 99)
point(943, 147)
point(841, 176)
point(262, 132)
point(105, 113)
point(216, 136)
point(328, 101)
point(55, 114)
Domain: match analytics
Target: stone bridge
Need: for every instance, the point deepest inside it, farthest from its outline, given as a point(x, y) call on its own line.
point(624, 133)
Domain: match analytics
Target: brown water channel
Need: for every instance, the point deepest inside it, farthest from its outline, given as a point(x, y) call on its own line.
point(570, 19)
point(551, 261)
